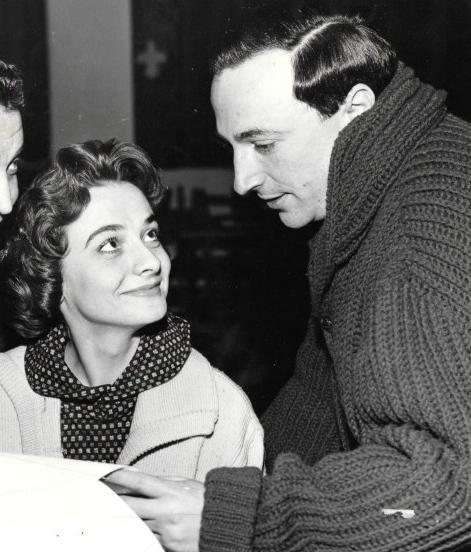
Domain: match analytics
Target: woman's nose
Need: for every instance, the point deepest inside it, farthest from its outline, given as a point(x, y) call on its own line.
point(146, 260)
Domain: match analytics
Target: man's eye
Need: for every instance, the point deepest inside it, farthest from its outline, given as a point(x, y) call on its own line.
point(264, 147)
point(152, 235)
point(12, 168)
point(109, 246)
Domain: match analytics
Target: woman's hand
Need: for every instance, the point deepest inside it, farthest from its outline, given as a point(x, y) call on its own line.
point(170, 506)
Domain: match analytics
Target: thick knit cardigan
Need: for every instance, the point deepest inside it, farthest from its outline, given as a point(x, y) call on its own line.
point(197, 421)
point(384, 374)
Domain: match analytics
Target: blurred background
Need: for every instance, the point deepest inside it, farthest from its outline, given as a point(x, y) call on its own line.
point(138, 70)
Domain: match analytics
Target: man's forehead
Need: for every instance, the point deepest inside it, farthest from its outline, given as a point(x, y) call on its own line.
point(256, 95)
point(10, 124)
point(271, 68)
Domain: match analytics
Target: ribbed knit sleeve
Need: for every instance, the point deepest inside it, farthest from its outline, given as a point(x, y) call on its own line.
point(230, 507)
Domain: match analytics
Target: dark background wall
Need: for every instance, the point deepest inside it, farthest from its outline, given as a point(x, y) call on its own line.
point(431, 35)
point(238, 274)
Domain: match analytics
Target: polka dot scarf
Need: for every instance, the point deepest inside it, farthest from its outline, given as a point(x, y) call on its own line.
point(95, 421)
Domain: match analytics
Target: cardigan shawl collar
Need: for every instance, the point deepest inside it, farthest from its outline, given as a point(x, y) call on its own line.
point(366, 159)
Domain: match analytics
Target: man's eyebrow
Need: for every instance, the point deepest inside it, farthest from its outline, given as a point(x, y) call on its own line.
point(256, 133)
point(107, 228)
point(17, 154)
point(250, 134)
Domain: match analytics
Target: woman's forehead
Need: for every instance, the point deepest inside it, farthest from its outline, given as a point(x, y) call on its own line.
point(112, 203)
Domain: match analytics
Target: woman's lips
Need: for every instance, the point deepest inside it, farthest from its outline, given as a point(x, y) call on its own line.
point(145, 290)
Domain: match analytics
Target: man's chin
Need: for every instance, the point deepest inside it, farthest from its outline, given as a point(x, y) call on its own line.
point(299, 220)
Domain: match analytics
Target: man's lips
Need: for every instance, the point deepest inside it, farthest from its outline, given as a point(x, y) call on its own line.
point(273, 201)
point(271, 197)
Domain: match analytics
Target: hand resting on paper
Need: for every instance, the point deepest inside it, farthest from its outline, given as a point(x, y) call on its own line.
point(170, 506)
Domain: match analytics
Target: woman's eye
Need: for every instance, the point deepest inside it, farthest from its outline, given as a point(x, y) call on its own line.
point(109, 246)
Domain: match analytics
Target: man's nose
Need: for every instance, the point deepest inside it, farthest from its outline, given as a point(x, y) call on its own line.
point(247, 172)
point(6, 199)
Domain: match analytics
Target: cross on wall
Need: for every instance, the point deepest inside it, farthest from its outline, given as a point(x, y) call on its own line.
point(152, 59)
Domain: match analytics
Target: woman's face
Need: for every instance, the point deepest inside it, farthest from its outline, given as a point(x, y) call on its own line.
point(116, 271)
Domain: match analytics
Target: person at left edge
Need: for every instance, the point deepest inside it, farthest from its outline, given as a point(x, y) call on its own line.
point(11, 134)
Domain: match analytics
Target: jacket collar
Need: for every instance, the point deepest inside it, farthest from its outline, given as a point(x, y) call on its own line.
point(369, 154)
point(366, 159)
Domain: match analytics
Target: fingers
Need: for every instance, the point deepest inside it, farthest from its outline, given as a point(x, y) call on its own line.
point(137, 483)
point(170, 507)
point(145, 508)
point(118, 489)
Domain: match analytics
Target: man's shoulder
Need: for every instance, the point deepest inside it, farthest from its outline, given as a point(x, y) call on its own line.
point(436, 179)
point(449, 141)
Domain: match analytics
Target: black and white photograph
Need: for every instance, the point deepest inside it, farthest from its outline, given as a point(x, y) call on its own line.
point(235, 275)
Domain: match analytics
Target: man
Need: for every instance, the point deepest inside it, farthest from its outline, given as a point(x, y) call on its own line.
point(11, 134)
point(11, 141)
point(369, 443)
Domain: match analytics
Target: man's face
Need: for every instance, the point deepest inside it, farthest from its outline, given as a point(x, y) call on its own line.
point(282, 146)
point(11, 142)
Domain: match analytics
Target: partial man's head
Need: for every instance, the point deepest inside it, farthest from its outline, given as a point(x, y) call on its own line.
point(281, 96)
point(11, 134)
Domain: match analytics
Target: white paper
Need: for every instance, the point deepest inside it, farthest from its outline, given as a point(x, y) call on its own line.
point(52, 504)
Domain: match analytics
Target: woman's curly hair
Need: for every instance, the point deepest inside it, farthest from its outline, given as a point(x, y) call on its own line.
point(32, 257)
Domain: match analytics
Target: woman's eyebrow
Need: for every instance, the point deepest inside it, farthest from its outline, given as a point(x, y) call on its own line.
point(107, 228)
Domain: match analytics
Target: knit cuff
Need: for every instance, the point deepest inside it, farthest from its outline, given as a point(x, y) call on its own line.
point(230, 506)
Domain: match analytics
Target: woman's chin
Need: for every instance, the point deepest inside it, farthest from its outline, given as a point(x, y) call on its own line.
point(154, 316)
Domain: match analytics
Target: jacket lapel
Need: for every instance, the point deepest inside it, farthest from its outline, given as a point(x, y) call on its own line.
point(184, 407)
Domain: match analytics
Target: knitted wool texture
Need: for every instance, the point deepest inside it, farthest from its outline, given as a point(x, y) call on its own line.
point(385, 367)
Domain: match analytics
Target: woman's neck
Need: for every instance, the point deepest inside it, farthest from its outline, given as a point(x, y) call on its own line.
point(98, 357)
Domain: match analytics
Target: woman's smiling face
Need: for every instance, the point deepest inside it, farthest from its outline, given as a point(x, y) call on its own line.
point(115, 272)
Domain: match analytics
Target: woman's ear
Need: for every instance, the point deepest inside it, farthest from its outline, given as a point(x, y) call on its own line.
point(358, 100)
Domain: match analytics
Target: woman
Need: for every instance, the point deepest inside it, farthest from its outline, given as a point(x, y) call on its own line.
point(109, 376)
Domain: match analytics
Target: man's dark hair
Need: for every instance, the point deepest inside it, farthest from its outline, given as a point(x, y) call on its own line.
point(11, 87)
point(32, 258)
point(330, 54)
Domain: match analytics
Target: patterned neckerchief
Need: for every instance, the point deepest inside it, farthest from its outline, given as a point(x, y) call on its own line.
point(95, 421)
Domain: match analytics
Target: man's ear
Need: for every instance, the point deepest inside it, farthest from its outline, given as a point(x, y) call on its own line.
point(358, 100)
